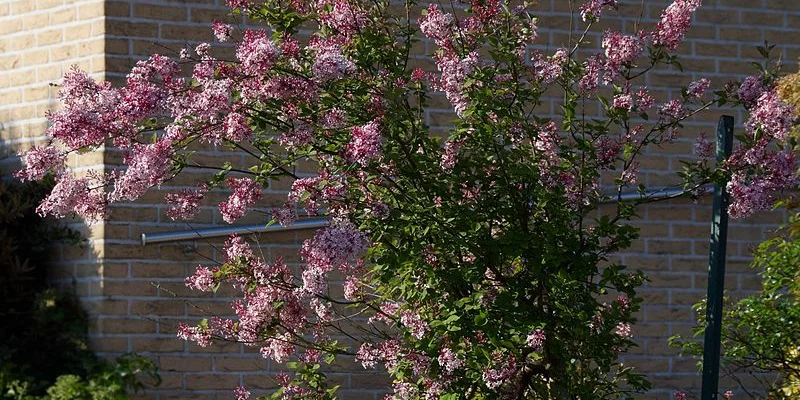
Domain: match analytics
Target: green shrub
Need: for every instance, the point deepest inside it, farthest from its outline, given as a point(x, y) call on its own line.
point(44, 349)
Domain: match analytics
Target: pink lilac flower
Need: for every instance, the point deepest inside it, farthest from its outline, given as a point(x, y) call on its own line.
point(450, 154)
point(148, 165)
point(71, 194)
point(624, 302)
point(752, 193)
point(750, 90)
point(257, 52)
point(747, 197)
point(246, 192)
point(623, 101)
point(437, 25)
point(620, 49)
point(592, 10)
point(675, 21)
point(241, 393)
point(199, 335)
point(630, 175)
point(673, 109)
point(236, 127)
point(236, 248)
point(504, 370)
point(454, 72)
point(546, 143)
point(39, 161)
point(186, 204)
point(335, 118)
point(606, 151)
point(297, 137)
point(644, 100)
point(679, 395)
point(202, 280)
point(242, 4)
point(285, 215)
point(308, 188)
point(345, 18)
point(623, 330)
point(728, 395)
point(365, 144)
point(90, 112)
point(352, 288)
point(330, 64)
point(334, 247)
point(414, 323)
point(368, 355)
point(771, 116)
point(222, 31)
point(536, 340)
point(697, 88)
point(203, 50)
point(279, 348)
point(548, 70)
point(405, 391)
point(449, 360)
point(703, 147)
point(593, 68)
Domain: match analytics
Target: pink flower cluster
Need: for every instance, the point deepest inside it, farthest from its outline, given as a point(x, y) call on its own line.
point(246, 192)
point(148, 165)
point(197, 334)
point(330, 64)
point(547, 70)
point(450, 154)
point(675, 21)
point(536, 340)
point(365, 144)
point(454, 72)
point(345, 18)
point(771, 116)
point(449, 360)
point(257, 52)
point(222, 31)
point(334, 247)
point(186, 204)
point(236, 127)
point(71, 194)
point(437, 25)
point(698, 88)
point(39, 161)
point(621, 49)
point(504, 371)
point(202, 280)
point(592, 10)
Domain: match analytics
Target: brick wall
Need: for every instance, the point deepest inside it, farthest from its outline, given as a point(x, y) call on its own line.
point(39, 41)
point(137, 294)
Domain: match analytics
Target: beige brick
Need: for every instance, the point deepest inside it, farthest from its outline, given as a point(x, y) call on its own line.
point(158, 12)
point(239, 364)
point(174, 31)
point(89, 11)
point(126, 326)
point(208, 381)
point(157, 345)
point(184, 364)
point(131, 29)
point(49, 37)
point(21, 7)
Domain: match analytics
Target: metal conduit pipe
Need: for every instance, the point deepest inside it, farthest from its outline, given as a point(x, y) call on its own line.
point(175, 236)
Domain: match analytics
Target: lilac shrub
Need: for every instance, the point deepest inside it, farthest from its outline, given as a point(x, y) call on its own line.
point(481, 258)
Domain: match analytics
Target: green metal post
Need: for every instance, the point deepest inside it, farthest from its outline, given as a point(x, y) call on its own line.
point(716, 269)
